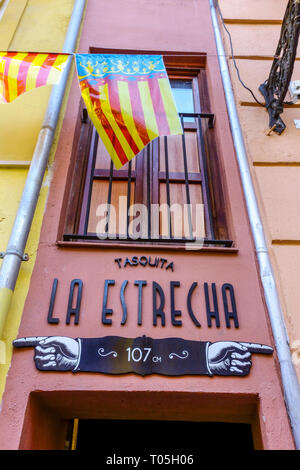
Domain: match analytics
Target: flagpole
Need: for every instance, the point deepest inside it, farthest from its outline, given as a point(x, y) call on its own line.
point(14, 254)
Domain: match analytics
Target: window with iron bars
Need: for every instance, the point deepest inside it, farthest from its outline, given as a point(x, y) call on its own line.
point(170, 194)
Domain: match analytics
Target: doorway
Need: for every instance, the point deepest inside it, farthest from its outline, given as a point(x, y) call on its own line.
point(145, 437)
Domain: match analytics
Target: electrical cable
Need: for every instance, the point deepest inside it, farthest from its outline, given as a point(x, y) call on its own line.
point(233, 58)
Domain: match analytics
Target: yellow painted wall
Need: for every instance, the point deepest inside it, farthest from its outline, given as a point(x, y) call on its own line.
point(37, 26)
point(274, 160)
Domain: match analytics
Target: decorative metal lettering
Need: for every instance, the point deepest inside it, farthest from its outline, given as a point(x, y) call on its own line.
point(145, 261)
point(274, 89)
point(161, 309)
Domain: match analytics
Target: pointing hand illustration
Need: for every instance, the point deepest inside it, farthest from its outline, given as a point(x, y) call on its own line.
point(53, 352)
point(233, 358)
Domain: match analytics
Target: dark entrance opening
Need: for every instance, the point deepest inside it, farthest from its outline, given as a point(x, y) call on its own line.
point(139, 437)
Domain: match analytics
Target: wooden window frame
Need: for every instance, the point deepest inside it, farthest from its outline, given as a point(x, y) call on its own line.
point(179, 66)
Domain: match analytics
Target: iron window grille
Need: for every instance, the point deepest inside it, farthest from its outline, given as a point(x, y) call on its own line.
point(151, 173)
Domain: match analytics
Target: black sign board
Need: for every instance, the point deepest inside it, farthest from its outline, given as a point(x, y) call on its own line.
point(142, 355)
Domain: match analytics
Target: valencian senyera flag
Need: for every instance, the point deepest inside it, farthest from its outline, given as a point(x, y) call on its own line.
point(23, 71)
point(129, 101)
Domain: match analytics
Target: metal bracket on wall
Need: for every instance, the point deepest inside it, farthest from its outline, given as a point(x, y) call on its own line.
point(22, 256)
point(274, 89)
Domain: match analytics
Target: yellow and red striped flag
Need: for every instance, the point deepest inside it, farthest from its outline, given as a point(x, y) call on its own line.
point(129, 100)
point(23, 71)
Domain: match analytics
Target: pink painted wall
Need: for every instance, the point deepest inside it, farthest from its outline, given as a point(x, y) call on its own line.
point(175, 25)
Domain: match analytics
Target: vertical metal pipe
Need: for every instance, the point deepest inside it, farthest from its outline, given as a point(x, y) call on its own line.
point(186, 179)
point(13, 257)
point(90, 179)
point(205, 188)
point(288, 374)
point(109, 195)
point(148, 192)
